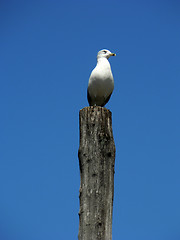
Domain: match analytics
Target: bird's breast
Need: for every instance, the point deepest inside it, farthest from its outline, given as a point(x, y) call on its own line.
point(101, 82)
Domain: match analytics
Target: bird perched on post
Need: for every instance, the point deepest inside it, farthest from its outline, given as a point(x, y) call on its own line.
point(101, 82)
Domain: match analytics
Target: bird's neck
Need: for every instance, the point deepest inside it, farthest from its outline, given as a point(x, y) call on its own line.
point(103, 60)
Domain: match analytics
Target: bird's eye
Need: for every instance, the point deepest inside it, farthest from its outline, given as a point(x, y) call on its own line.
point(104, 51)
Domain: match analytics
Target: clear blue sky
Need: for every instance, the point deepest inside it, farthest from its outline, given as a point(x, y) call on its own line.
point(48, 49)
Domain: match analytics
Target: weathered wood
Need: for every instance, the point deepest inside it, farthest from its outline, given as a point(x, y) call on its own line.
point(96, 161)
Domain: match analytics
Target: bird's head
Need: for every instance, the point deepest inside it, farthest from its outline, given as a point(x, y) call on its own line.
point(105, 54)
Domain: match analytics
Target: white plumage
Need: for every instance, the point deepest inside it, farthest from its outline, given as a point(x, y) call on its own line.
point(101, 82)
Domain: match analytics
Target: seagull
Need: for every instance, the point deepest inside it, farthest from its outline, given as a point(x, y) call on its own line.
point(101, 82)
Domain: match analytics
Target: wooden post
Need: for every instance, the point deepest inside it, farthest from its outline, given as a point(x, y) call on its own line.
point(96, 161)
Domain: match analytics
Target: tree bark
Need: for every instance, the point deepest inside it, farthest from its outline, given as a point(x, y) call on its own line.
point(96, 162)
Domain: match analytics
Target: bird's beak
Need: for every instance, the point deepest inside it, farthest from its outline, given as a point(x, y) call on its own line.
point(113, 54)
